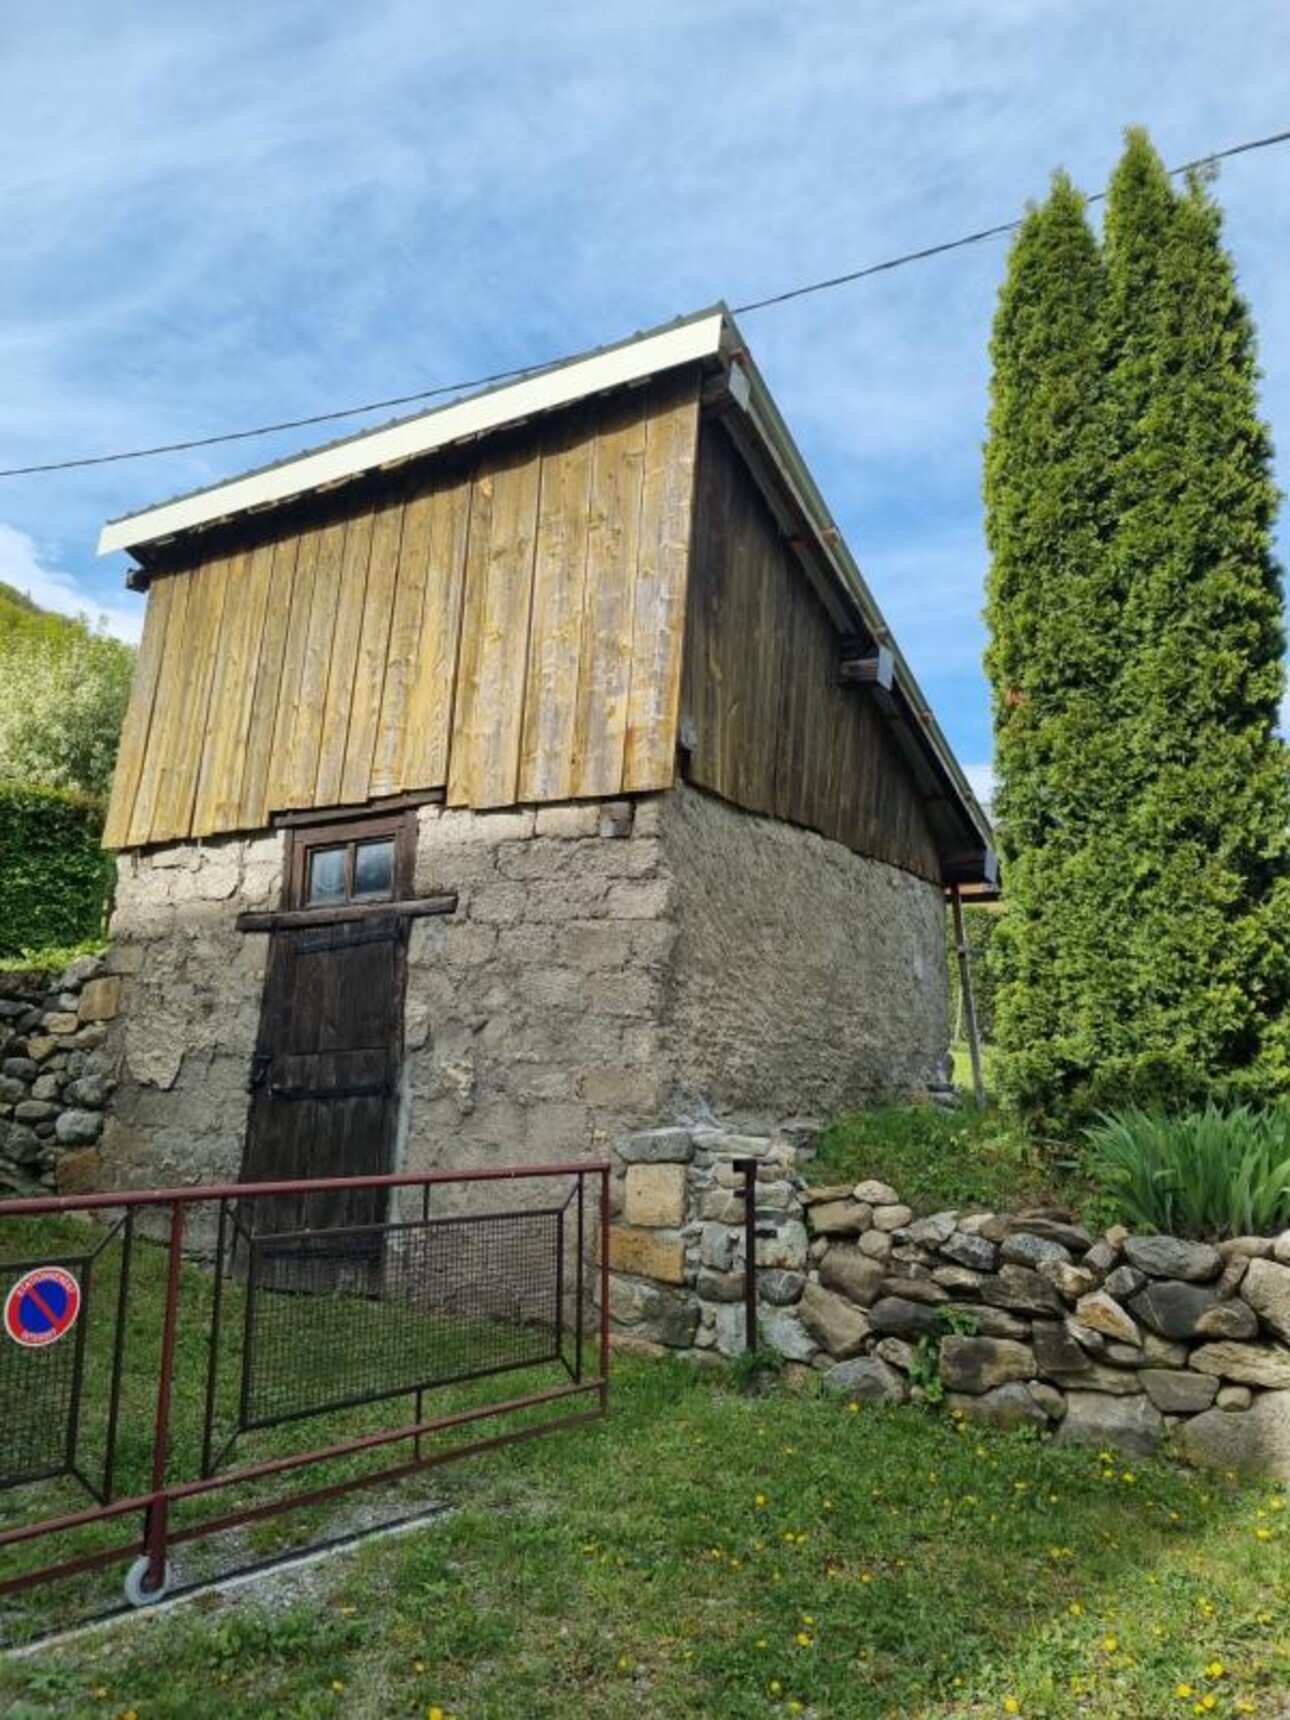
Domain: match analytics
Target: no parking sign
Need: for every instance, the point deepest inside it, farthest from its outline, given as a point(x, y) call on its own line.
point(42, 1307)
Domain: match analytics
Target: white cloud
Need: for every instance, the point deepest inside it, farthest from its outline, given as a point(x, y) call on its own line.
point(23, 565)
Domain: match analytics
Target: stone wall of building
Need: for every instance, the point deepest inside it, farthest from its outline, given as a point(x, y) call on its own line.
point(608, 966)
point(806, 978)
point(1018, 1319)
point(55, 1075)
point(189, 1005)
point(532, 1015)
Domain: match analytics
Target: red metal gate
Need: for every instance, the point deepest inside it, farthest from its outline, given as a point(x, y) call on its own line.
point(200, 1333)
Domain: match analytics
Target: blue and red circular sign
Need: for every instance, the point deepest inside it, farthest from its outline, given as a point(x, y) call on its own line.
point(42, 1307)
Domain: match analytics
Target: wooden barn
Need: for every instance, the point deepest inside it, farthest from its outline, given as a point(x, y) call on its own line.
point(514, 775)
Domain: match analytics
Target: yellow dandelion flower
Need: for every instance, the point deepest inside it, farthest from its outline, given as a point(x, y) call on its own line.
point(418, 1666)
point(338, 1685)
point(624, 1665)
point(803, 1639)
point(1075, 1609)
point(1263, 1534)
point(1183, 1692)
point(1110, 1643)
point(866, 1576)
point(775, 1687)
point(1208, 1701)
point(807, 1619)
point(760, 1501)
point(1215, 1669)
point(762, 1643)
point(1011, 1705)
point(854, 1408)
point(434, 1713)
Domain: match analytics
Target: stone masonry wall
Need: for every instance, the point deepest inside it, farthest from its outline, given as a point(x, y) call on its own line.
point(608, 966)
point(190, 987)
point(1017, 1320)
point(531, 1028)
point(806, 978)
point(55, 1075)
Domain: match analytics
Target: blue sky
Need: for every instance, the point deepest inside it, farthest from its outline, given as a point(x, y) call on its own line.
point(220, 216)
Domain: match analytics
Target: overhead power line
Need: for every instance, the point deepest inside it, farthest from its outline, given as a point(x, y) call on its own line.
point(799, 292)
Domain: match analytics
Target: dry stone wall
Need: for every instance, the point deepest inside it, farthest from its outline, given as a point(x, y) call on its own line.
point(1020, 1319)
point(55, 1076)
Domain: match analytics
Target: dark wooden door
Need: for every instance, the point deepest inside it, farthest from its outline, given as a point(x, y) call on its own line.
point(325, 1084)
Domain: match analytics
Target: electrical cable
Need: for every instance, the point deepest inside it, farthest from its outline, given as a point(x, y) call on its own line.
point(499, 376)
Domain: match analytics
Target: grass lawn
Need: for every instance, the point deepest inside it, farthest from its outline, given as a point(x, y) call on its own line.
point(705, 1553)
point(935, 1157)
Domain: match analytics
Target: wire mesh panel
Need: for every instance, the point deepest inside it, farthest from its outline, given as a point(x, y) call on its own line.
point(207, 1328)
point(40, 1380)
point(458, 1298)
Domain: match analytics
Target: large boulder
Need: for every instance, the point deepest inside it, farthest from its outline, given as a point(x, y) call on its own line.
point(1266, 1287)
point(1102, 1313)
point(1171, 1257)
point(897, 1317)
point(1172, 1308)
point(866, 1379)
point(1022, 1290)
point(1178, 1391)
point(966, 1249)
point(1255, 1440)
point(1129, 1423)
point(1007, 1406)
point(852, 1273)
point(840, 1217)
point(1248, 1364)
point(977, 1365)
point(837, 1325)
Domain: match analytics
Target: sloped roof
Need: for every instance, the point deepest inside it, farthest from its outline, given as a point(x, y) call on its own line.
point(709, 337)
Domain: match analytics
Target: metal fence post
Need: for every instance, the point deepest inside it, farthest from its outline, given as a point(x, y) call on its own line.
point(158, 1515)
point(747, 1168)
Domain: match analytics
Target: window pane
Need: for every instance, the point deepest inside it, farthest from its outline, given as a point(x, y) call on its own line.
point(326, 875)
point(374, 868)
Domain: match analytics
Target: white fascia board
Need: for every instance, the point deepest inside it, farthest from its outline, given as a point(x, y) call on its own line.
point(632, 361)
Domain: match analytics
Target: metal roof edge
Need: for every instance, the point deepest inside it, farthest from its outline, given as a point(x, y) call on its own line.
point(687, 339)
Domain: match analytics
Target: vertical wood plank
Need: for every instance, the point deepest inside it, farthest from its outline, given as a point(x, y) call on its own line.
point(301, 768)
point(373, 653)
point(278, 786)
point(484, 767)
point(604, 670)
point(659, 600)
point(386, 776)
point(167, 722)
point(136, 730)
point(233, 696)
point(177, 790)
point(279, 609)
point(344, 660)
point(555, 630)
point(435, 535)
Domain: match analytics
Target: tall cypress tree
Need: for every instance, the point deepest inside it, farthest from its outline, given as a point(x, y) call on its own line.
point(1136, 616)
point(1203, 791)
point(1048, 584)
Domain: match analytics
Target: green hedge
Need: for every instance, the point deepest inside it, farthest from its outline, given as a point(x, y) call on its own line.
point(54, 877)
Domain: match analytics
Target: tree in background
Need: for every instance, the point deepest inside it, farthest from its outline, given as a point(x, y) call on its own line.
point(63, 693)
point(1137, 640)
point(1050, 603)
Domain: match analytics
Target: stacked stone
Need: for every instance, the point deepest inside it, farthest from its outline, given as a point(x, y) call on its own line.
point(55, 1077)
point(1016, 1320)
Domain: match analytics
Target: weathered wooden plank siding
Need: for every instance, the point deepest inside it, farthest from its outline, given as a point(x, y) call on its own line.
point(505, 629)
point(773, 729)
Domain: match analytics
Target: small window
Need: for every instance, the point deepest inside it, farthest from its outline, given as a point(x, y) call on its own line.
point(366, 860)
point(326, 876)
point(374, 869)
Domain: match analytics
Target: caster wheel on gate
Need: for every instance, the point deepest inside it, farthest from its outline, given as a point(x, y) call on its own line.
point(135, 1592)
